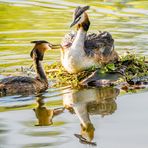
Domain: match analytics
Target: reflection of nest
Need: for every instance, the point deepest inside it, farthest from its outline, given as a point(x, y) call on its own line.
point(106, 107)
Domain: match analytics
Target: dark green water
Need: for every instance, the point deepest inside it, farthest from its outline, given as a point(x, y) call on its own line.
point(120, 122)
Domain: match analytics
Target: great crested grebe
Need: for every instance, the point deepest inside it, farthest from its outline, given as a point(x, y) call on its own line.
point(81, 51)
point(24, 84)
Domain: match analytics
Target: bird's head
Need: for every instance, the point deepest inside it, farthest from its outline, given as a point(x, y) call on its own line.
point(79, 15)
point(39, 49)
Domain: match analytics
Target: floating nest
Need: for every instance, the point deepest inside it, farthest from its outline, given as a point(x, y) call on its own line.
point(133, 69)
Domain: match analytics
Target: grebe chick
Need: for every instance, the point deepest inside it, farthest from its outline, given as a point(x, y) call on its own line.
point(81, 51)
point(27, 85)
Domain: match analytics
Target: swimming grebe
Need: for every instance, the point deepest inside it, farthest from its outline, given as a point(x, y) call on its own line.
point(24, 84)
point(81, 51)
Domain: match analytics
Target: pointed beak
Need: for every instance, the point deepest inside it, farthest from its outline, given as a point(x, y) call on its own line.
point(73, 23)
point(56, 46)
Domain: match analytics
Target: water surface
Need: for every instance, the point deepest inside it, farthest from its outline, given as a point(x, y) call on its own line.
point(119, 120)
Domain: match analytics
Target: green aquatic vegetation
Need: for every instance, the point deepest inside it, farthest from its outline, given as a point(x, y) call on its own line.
point(61, 77)
point(135, 67)
point(130, 66)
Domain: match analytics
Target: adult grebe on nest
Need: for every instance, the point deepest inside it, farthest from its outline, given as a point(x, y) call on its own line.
point(81, 51)
point(24, 84)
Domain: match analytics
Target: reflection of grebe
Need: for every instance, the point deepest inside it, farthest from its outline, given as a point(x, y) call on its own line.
point(81, 51)
point(45, 115)
point(23, 84)
point(90, 101)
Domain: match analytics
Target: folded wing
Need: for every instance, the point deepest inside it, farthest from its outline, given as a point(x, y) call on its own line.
point(101, 43)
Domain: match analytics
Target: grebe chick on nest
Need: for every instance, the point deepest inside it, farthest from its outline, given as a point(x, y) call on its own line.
point(81, 51)
point(24, 84)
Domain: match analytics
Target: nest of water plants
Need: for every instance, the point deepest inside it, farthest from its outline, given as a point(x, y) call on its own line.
point(130, 66)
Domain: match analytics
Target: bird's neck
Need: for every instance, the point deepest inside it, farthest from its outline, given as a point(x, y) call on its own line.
point(79, 40)
point(85, 24)
point(81, 33)
point(40, 71)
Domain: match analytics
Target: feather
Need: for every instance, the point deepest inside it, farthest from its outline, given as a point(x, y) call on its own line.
point(101, 43)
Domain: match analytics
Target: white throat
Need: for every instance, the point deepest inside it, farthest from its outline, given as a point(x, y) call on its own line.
point(78, 43)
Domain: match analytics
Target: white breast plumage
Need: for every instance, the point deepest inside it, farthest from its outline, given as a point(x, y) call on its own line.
point(74, 58)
